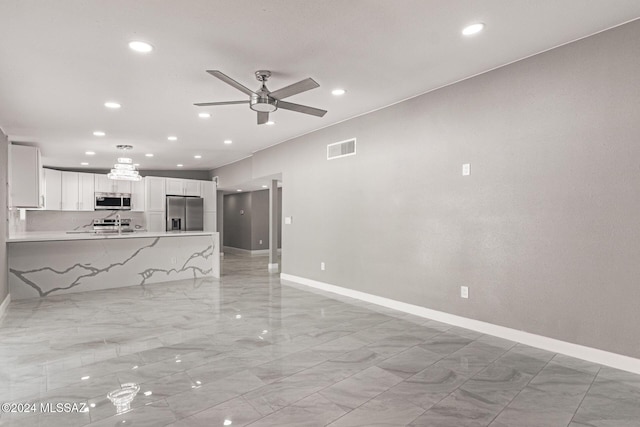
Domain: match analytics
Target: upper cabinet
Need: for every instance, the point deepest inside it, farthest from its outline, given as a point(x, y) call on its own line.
point(138, 202)
point(182, 187)
point(52, 189)
point(106, 185)
point(155, 193)
point(86, 191)
point(77, 191)
point(25, 177)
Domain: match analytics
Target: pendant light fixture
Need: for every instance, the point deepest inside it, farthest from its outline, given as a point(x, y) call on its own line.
point(124, 170)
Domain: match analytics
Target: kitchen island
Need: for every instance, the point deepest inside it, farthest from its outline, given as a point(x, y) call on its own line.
point(54, 263)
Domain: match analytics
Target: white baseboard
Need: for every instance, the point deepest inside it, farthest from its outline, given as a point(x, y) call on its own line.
point(590, 354)
point(273, 268)
point(232, 250)
point(4, 306)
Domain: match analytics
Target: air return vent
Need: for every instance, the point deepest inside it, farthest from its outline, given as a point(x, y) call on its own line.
point(341, 149)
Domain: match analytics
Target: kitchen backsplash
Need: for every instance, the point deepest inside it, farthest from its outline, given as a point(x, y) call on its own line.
point(68, 220)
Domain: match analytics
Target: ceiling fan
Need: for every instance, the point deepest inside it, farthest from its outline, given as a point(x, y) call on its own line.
point(263, 100)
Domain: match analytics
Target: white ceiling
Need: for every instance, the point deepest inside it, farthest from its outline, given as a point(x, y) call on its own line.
point(61, 60)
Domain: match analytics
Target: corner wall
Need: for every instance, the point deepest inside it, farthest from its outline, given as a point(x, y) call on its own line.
point(4, 165)
point(545, 229)
point(246, 230)
point(237, 220)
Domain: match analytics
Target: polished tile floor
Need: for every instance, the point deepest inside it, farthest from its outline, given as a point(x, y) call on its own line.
point(246, 350)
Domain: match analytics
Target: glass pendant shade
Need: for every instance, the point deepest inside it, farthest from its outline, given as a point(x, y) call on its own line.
point(124, 170)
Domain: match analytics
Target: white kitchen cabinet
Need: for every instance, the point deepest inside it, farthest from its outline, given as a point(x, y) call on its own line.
point(155, 194)
point(174, 187)
point(106, 185)
point(25, 177)
point(138, 202)
point(52, 189)
point(182, 187)
point(155, 221)
point(86, 191)
point(103, 184)
point(122, 186)
point(77, 191)
point(70, 190)
point(191, 187)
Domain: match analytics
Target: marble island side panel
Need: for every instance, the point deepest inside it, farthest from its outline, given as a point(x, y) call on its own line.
point(43, 268)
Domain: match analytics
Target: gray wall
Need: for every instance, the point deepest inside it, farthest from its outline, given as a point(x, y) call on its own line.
point(4, 165)
point(237, 225)
point(545, 231)
point(260, 219)
point(246, 231)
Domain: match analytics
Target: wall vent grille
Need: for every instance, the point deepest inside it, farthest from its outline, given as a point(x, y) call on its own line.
point(341, 149)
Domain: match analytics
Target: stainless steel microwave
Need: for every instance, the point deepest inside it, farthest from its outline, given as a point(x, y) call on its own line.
point(113, 201)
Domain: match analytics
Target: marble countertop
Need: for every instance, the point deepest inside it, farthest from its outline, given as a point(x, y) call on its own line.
point(46, 236)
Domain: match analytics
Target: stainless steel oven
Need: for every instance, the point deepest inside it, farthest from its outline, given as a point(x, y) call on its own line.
point(113, 201)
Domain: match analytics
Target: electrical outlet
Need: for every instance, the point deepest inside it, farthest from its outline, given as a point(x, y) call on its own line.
point(466, 169)
point(322, 266)
point(464, 291)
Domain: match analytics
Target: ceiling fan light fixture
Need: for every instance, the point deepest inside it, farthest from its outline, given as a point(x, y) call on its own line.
point(263, 104)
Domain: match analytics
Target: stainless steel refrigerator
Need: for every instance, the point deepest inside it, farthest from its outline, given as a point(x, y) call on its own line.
point(185, 213)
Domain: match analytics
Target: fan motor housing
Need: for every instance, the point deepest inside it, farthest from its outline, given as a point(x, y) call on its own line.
point(263, 104)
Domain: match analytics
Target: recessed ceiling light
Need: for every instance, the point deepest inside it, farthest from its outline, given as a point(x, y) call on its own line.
point(473, 29)
point(172, 138)
point(99, 133)
point(271, 123)
point(90, 153)
point(141, 47)
point(112, 105)
point(338, 92)
point(265, 186)
point(197, 156)
point(228, 141)
point(84, 164)
point(179, 165)
point(238, 314)
point(149, 155)
point(204, 115)
point(227, 422)
point(85, 378)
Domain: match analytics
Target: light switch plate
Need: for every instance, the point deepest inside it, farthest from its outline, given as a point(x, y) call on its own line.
point(288, 219)
point(466, 169)
point(464, 291)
